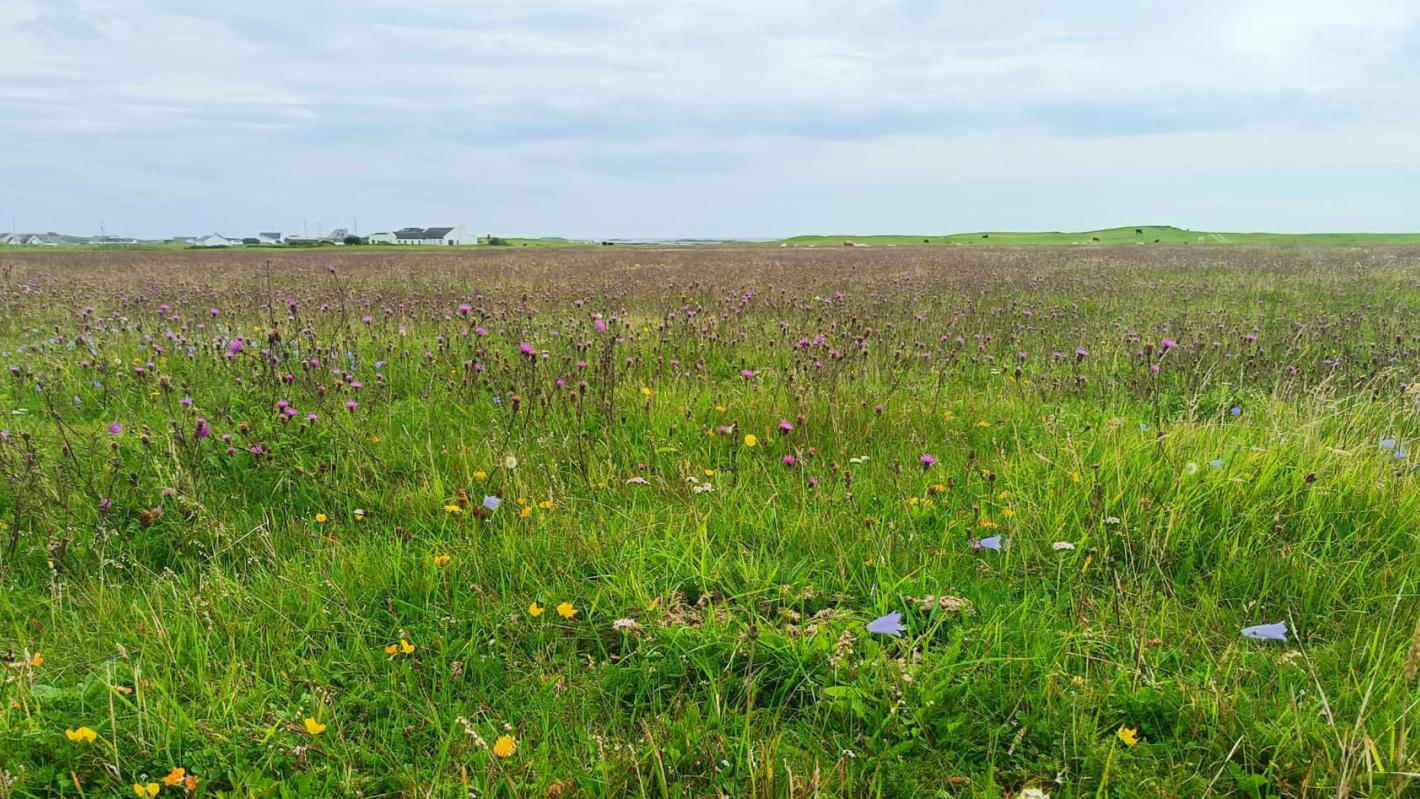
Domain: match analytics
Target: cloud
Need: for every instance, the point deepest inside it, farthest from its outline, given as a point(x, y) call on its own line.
point(731, 117)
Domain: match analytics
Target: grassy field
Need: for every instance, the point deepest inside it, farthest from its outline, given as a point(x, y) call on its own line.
point(1146, 234)
point(609, 523)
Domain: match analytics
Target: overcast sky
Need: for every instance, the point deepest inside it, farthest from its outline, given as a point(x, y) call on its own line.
point(637, 118)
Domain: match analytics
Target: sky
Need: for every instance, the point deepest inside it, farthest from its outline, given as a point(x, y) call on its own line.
point(708, 118)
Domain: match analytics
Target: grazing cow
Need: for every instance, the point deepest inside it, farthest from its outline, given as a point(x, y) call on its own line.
point(847, 243)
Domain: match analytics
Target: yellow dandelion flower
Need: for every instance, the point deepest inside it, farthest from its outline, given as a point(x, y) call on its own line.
point(546, 504)
point(721, 408)
point(751, 440)
point(1128, 735)
point(442, 559)
point(452, 508)
point(983, 423)
point(913, 501)
point(525, 512)
point(313, 727)
point(536, 610)
point(374, 439)
point(1074, 477)
point(566, 610)
point(646, 391)
point(709, 472)
point(321, 518)
point(1007, 512)
point(480, 475)
point(505, 746)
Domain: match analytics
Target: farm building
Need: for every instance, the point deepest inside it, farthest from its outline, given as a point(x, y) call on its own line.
point(217, 240)
point(441, 236)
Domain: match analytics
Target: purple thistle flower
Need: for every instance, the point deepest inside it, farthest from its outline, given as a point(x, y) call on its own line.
point(600, 325)
point(789, 460)
point(785, 427)
point(747, 374)
point(351, 405)
point(1168, 344)
point(528, 349)
point(202, 431)
point(465, 309)
point(116, 429)
point(891, 624)
point(235, 347)
point(927, 461)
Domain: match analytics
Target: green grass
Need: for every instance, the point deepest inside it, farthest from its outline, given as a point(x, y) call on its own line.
point(203, 637)
point(1145, 234)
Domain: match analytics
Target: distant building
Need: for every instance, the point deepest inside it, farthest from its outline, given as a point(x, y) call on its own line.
point(270, 238)
point(382, 238)
point(440, 236)
point(217, 240)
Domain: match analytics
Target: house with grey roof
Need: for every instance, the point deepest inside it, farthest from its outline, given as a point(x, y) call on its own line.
point(439, 236)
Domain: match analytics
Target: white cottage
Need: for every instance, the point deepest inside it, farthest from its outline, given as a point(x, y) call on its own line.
point(217, 240)
point(438, 236)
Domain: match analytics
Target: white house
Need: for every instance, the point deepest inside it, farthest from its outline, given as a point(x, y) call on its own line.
point(217, 240)
point(382, 238)
point(266, 237)
point(441, 236)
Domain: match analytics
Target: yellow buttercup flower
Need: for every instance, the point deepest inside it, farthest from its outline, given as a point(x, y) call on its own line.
point(1129, 735)
point(442, 559)
point(566, 610)
point(646, 390)
point(314, 727)
point(146, 791)
point(81, 735)
point(505, 746)
point(721, 408)
point(546, 504)
point(406, 647)
point(751, 440)
point(536, 610)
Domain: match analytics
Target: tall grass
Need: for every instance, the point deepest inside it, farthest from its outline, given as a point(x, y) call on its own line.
point(1209, 430)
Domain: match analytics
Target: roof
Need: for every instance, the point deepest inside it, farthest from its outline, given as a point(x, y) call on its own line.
point(422, 233)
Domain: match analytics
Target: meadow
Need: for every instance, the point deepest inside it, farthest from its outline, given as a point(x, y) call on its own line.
point(761, 522)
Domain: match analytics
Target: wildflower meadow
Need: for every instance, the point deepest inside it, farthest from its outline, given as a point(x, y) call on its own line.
point(716, 522)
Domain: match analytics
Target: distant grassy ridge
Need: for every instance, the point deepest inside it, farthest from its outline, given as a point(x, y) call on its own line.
point(1143, 234)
